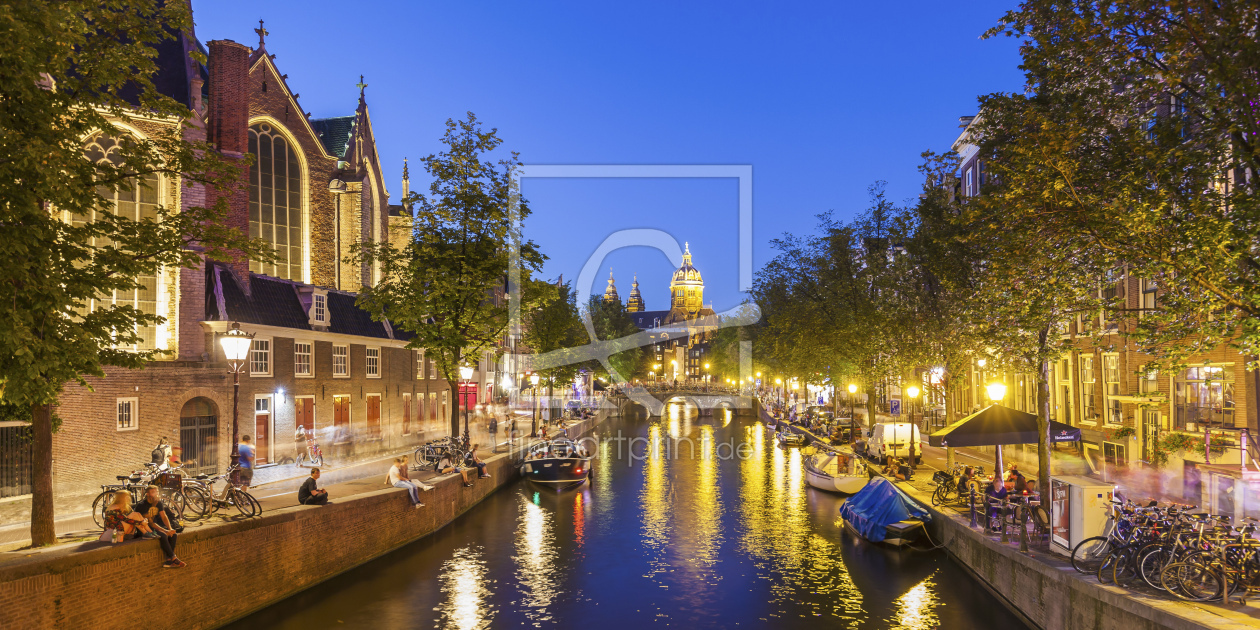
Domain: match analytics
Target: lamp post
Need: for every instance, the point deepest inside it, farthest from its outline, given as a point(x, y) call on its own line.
point(533, 422)
point(852, 418)
point(236, 344)
point(912, 393)
point(465, 379)
point(997, 391)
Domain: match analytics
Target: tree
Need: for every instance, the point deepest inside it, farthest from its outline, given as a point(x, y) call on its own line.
point(446, 286)
point(73, 69)
point(555, 327)
point(611, 321)
point(1138, 137)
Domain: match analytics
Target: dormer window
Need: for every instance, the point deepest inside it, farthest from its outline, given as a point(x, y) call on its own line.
point(319, 311)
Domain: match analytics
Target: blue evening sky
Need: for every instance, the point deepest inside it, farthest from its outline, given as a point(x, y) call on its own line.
point(822, 99)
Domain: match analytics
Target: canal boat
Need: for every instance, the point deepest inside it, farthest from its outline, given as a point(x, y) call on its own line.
point(835, 471)
point(881, 513)
point(557, 463)
point(788, 437)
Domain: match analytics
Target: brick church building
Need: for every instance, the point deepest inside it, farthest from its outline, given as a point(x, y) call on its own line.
point(315, 191)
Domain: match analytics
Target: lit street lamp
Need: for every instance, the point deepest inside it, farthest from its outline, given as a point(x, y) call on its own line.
point(465, 377)
point(533, 422)
point(997, 391)
point(236, 344)
point(852, 418)
point(912, 393)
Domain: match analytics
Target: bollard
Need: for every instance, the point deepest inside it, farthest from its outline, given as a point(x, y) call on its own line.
point(1023, 529)
point(1004, 507)
point(972, 490)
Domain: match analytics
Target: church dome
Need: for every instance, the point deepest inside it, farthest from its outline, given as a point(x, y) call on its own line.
point(635, 303)
point(687, 274)
point(610, 293)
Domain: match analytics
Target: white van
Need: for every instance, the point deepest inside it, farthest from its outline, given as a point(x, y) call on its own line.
point(898, 439)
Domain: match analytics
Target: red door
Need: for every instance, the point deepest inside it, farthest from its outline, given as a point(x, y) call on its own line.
point(406, 420)
point(374, 416)
point(262, 437)
point(306, 415)
point(467, 395)
point(341, 419)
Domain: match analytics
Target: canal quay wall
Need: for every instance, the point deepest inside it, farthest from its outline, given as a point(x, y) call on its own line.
point(235, 568)
point(1049, 594)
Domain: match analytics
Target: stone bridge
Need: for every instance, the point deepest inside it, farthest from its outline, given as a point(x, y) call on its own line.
point(656, 401)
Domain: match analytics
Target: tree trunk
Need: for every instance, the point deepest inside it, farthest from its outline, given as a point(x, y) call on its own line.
point(454, 385)
point(1043, 428)
point(946, 381)
point(870, 407)
point(43, 530)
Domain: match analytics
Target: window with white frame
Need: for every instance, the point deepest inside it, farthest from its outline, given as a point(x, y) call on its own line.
point(260, 358)
point(419, 364)
point(968, 178)
point(1111, 388)
point(433, 370)
point(320, 308)
point(1064, 375)
point(1088, 411)
point(1203, 397)
point(1148, 294)
point(1149, 383)
point(341, 360)
point(373, 362)
point(302, 359)
point(127, 420)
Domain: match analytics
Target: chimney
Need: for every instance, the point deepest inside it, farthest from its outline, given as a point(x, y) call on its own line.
point(228, 129)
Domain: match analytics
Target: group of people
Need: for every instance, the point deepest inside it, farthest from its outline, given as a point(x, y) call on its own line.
point(148, 519)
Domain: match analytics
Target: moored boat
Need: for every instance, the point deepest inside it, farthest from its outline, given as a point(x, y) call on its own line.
point(882, 513)
point(557, 463)
point(788, 437)
point(835, 471)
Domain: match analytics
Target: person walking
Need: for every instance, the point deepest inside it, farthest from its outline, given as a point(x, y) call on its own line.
point(246, 451)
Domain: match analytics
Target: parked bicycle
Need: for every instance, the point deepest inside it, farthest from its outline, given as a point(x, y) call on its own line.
point(314, 454)
point(231, 496)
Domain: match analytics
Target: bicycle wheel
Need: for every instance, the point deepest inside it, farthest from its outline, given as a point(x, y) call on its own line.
point(240, 499)
point(417, 457)
point(1090, 553)
point(254, 501)
point(1150, 562)
point(936, 496)
point(197, 502)
point(1124, 571)
point(177, 502)
point(949, 493)
point(1191, 581)
point(1103, 573)
point(99, 504)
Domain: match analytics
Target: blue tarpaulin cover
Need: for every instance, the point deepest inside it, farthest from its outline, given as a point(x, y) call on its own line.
point(879, 505)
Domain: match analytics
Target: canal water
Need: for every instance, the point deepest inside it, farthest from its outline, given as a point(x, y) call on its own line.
point(689, 521)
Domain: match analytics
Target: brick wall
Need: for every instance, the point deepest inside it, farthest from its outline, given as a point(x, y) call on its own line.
point(233, 569)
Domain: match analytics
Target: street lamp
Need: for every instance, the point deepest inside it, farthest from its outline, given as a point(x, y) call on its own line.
point(465, 377)
point(912, 393)
point(852, 417)
point(533, 422)
point(236, 344)
point(997, 391)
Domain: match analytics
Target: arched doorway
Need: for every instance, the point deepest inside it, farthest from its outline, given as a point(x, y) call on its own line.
point(198, 436)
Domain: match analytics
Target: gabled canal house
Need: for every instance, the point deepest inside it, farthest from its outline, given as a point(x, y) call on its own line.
point(315, 192)
point(1122, 413)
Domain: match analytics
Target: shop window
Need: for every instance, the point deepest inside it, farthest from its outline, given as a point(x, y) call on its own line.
point(1203, 397)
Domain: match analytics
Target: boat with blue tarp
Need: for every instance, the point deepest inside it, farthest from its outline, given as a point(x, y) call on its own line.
point(882, 513)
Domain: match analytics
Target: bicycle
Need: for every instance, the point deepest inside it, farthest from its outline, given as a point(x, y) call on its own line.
point(244, 502)
point(314, 454)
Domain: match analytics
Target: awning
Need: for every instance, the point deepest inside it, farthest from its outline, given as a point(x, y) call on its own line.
point(996, 425)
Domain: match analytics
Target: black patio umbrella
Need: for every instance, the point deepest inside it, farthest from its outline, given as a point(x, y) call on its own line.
point(996, 425)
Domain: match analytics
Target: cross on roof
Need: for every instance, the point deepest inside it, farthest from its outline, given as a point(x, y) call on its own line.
point(262, 33)
point(360, 84)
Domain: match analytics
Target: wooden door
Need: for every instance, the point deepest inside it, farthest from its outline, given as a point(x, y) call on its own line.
point(374, 415)
point(406, 419)
point(305, 415)
point(262, 430)
point(341, 419)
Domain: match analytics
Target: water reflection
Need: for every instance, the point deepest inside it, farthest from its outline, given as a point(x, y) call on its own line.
point(916, 610)
point(467, 605)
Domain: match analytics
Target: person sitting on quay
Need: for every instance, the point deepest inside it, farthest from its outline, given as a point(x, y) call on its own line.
point(121, 518)
point(966, 480)
point(446, 466)
point(309, 493)
point(471, 460)
point(397, 478)
point(157, 515)
point(995, 494)
point(897, 469)
point(1020, 483)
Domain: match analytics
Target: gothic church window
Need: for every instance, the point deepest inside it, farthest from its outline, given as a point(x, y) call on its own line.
point(275, 201)
point(138, 200)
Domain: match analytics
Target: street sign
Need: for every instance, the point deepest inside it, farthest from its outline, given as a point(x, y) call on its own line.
point(894, 407)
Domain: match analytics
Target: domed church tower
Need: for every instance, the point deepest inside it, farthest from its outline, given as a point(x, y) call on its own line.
point(686, 288)
point(610, 294)
point(635, 303)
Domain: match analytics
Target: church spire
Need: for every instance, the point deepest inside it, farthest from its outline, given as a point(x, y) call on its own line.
point(610, 293)
point(406, 185)
point(686, 253)
point(635, 303)
point(262, 35)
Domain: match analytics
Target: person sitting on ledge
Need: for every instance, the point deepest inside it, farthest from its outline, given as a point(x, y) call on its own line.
point(309, 494)
point(398, 478)
point(471, 460)
point(446, 466)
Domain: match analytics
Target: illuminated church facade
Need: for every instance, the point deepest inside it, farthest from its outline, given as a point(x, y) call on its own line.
point(681, 334)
